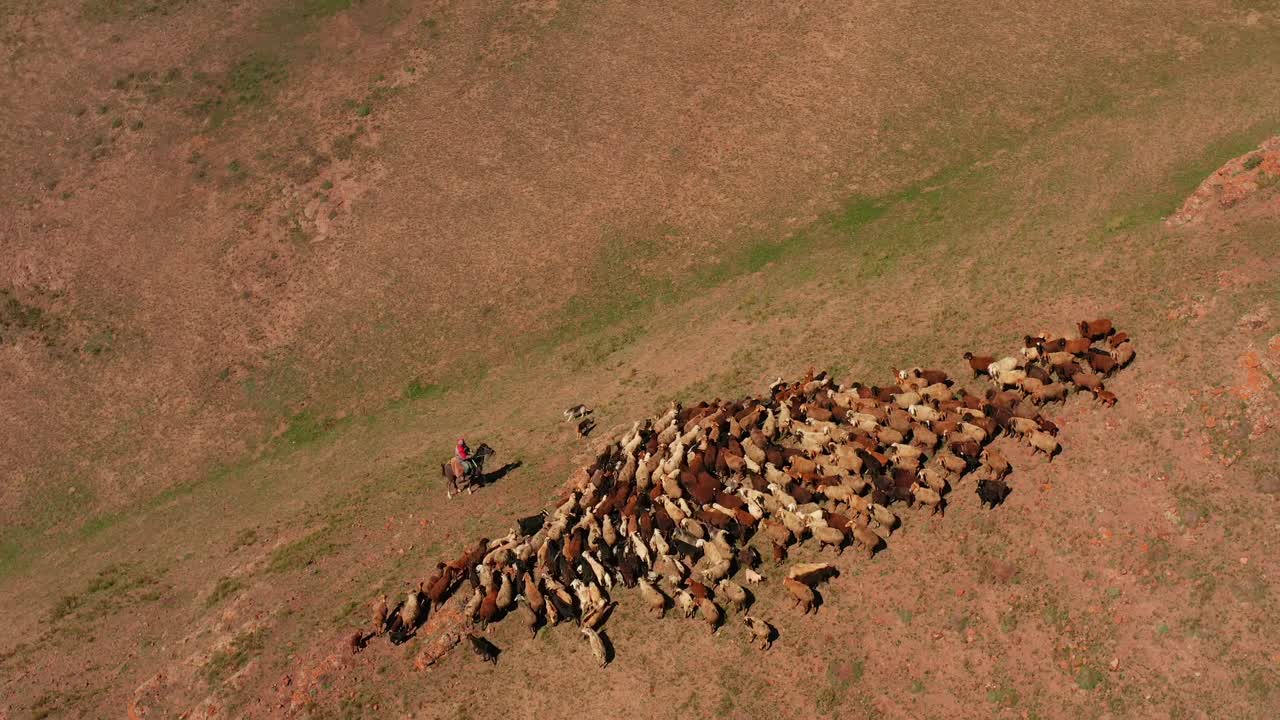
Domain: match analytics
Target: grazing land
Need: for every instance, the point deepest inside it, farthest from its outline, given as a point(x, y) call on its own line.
point(261, 263)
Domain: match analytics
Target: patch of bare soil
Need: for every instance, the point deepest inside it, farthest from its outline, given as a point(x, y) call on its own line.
point(1243, 186)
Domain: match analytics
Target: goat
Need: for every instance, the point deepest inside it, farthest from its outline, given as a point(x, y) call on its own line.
point(576, 412)
point(752, 576)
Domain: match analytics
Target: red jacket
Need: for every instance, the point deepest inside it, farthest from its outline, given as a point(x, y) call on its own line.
point(464, 453)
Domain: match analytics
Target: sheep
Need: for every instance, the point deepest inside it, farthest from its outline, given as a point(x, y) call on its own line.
point(1123, 354)
point(866, 538)
point(356, 642)
point(761, 632)
point(734, 593)
point(1053, 392)
point(752, 576)
point(472, 606)
point(992, 492)
point(1106, 397)
point(506, 593)
point(409, 611)
point(576, 411)
point(489, 607)
point(924, 413)
point(653, 597)
point(380, 615)
point(995, 462)
point(1101, 362)
point(686, 603)
point(710, 613)
point(1095, 329)
point(1009, 378)
point(927, 496)
point(826, 535)
point(598, 647)
point(979, 364)
point(1004, 365)
point(1043, 442)
point(530, 617)
point(934, 477)
point(802, 595)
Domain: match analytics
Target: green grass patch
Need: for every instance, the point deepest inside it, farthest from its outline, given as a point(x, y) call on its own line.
point(115, 587)
point(418, 390)
point(116, 10)
point(226, 588)
point(302, 553)
point(1089, 677)
point(225, 663)
point(250, 82)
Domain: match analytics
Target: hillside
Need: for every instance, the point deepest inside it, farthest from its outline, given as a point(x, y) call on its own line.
point(264, 262)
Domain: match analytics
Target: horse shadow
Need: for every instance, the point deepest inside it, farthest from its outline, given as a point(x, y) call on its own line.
point(490, 478)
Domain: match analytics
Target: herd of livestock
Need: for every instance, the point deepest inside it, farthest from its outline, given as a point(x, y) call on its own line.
point(681, 507)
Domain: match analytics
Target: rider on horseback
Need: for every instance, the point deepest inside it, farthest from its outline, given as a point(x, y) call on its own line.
point(464, 454)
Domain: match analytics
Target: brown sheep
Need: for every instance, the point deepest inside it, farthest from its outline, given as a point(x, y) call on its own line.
point(1101, 362)
point(802, 594)
point(530, 618)
point(380, 615)
point(356, 641)
point(1087, 381)
point(1078, 346)
point(866, 538)
point(710, 613)
point(1055, 392)
point(1118, 339)
point(826, 535)
point(979, 363)
point(1095, 329)
point(927, 496)
point(1106, 397)
point(489, 607)
point(1044, 442)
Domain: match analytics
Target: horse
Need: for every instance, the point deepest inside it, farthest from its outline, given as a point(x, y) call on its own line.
point(458, 478)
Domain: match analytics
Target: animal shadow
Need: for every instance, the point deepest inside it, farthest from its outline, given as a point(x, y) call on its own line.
point(490, 478)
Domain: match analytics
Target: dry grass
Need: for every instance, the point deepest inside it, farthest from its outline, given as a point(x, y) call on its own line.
point(611, 205)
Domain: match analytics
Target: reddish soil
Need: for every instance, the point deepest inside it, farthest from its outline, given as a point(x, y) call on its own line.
point(262, 262)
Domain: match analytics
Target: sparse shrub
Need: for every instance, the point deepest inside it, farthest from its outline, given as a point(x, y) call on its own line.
point(1253, 161)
